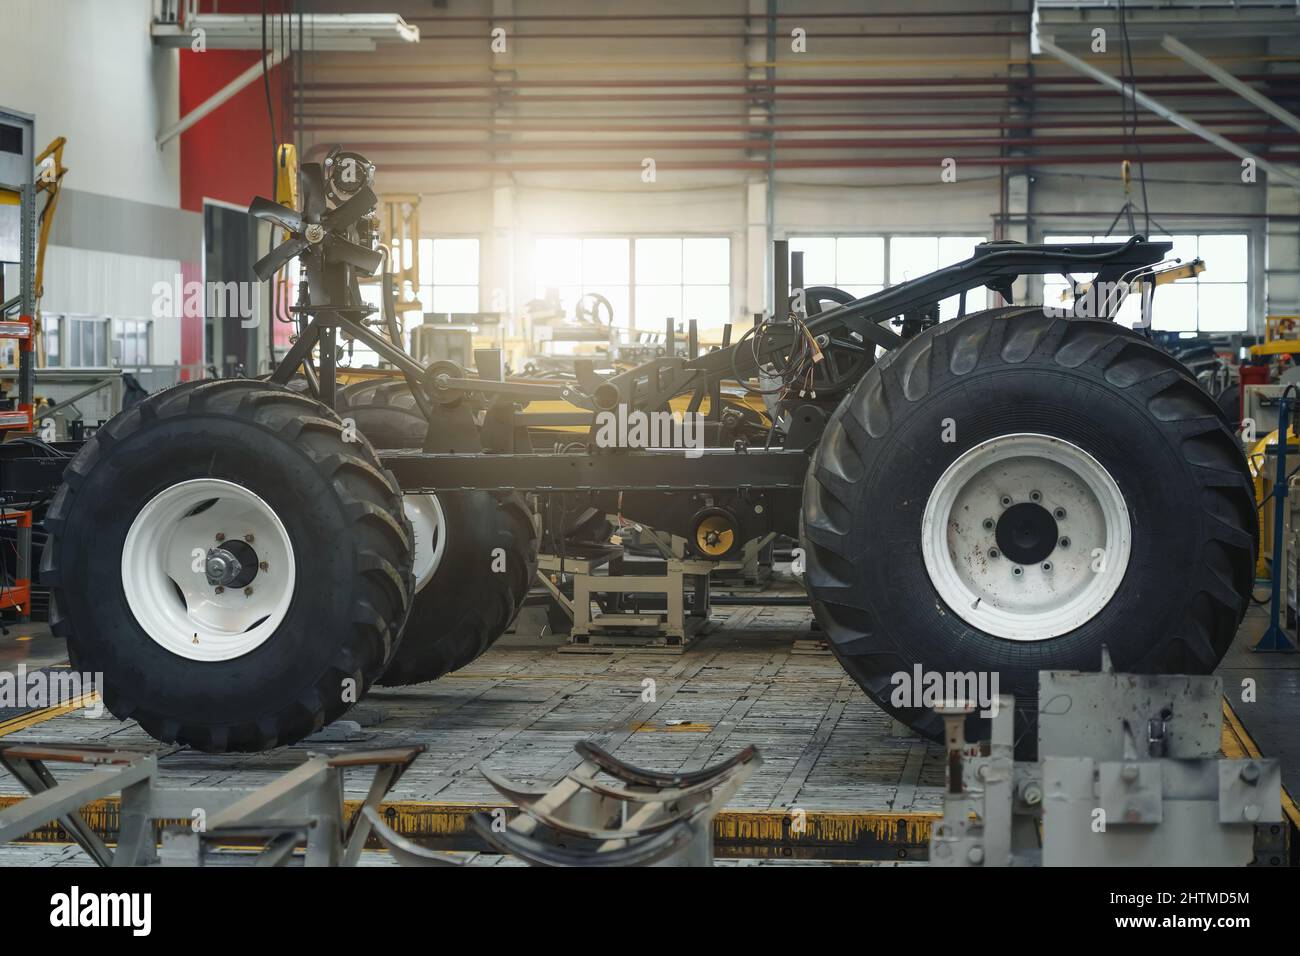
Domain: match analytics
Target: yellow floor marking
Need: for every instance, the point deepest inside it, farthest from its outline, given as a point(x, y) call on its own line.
point(1239, 745)
point(686, 728)
point(23, 721)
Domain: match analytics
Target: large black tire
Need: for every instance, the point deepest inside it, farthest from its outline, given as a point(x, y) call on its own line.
point(351, 544)
point(466, 604)
point(1092, 383)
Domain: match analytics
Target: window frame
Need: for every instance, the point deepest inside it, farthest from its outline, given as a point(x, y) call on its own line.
point(426, 282)
point(1250, 286)
point(887, 258)
point(632, 238)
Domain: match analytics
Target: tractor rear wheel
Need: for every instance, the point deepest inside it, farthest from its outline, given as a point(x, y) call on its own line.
point(1006, 493)
point(237, 571)
point(475, 555)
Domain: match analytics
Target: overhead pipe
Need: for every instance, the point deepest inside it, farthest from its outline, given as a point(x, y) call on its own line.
point(761, 164)
point(1155, 106)
point(875, 143)
point(747, 97)
point(882, 82)
point(988, 112)
point(624, 17)
point(358, 120)
point(731, 37)
point(1235, 83)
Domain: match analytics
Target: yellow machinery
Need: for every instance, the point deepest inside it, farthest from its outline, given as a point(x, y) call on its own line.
point(48, 180)
point(1281, 336)
point(1257, 458)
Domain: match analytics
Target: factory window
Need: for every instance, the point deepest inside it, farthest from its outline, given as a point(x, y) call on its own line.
point(1216, 301)
point(130, 343)
point(646, 279)
point(449, 276)
point(861, 265)
point(87, 341)
point(51, 336)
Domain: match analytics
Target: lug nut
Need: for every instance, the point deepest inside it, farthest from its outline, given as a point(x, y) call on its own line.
point(1035, 496)
point(993, 553)
point(220, 536)
point(1017, 570)
point(248, 592)
point(261, 565)
point(220, 589)
point(1006, 501)
point(248, 538)
point(1065, 542)
point(1047, 565)
point(1059, 514)
point(988, 524)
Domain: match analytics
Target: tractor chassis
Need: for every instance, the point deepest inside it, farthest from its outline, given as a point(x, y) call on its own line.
point(477, 437)
point(760, 485)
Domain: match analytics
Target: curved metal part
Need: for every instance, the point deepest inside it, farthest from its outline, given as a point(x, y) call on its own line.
point(345, 214)
point(638, 776)
point(510, 790)
point(407, 852)
point(536, 853)
point(311, 183)
point(270, 211)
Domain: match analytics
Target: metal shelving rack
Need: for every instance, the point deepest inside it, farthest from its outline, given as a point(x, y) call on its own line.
point(17, 155)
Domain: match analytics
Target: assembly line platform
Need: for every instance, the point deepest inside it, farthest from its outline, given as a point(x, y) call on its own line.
point(840, 779)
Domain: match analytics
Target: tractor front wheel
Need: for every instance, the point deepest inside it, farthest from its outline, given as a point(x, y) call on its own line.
point(236, 570)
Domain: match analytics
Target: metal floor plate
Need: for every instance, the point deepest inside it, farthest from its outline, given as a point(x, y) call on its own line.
point(827, 750)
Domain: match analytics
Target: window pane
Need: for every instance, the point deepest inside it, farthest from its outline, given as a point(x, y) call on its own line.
point(911, 257)
point(1222, 307)
point(818, 259)
point(859, 261)
point(656, 303)
point(604, 262)
point(455, 298)
point(658, 262)
point(1175, 308)
point(558, 262)
point(1225, 259)
point(708, 305)
point(1185, 248)
point(956, 248)
point(860, 291)
point(426, 260)
point(1130, 310)
point(619, 299)
point(706, 261)
point(455, 261)
point(51, 326)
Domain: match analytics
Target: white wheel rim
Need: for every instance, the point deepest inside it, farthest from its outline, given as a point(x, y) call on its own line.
point(166, 561)
point(1032, 596)
point(430, 529)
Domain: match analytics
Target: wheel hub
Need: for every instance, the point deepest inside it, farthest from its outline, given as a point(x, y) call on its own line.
point(231, 565)
point(1026, 537)
point(188, 563)
point(1027, 533)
